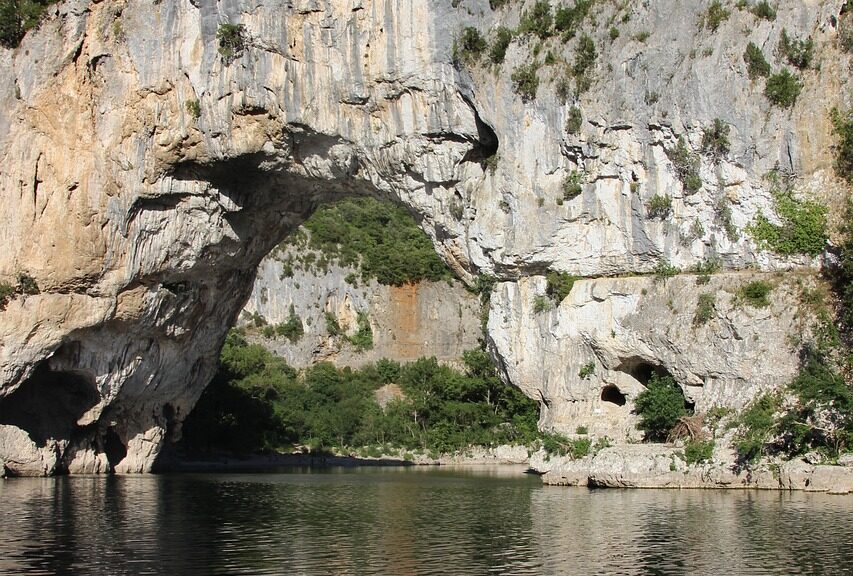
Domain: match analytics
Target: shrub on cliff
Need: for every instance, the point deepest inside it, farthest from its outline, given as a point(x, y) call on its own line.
point(660, 406)
point(756, 64)
point(19, 16)
point(232, 40)
point(783, 89)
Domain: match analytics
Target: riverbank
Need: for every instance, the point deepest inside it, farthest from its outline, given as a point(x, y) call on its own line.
point(664, 466)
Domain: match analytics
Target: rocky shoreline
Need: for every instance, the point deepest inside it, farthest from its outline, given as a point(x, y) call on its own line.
point(663, 466)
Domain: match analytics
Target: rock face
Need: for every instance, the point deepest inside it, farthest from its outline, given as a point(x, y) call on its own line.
point(142, 222)
point(408, 322)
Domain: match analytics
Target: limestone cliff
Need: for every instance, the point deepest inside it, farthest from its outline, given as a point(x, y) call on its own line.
point(145, 175)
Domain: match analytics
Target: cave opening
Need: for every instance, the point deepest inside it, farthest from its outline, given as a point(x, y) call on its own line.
point(612, 395)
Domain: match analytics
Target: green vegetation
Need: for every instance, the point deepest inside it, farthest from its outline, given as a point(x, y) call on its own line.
point(380, 239)
point(194, 108)
point(660, 407)
point(686, 165)
point(292, 329)
point(756, 64)
point(802, 229)
point(715, 16)
point(642, 36)
point(6, 293)
point(574, 121)
point(764, 10)
point(783, 88)
point(27, 285)
point(537, 21)
point(723, 214)
point(470, 46)
point(614, 33)
point(698, 451)
point(567, 20)
point(582, 430)
point(585, 55)
point(799, 53)
point(541, 303)
point(559, 285)
point(660, 206)
point(845, 32)
point(256, 403)
point(17, 17)
point(705, 269)
point(842, 277)
point(842, 124)
point(503, 38)
point(525, 81)
point(573, 185)
point(664, 270)
point(715, 139)
point(232, 40)
point(333, 327)
point(704, 309)
point(587, 370)
point(756, 293)
point(755, 426)
point(363, 337)
point(557, 444)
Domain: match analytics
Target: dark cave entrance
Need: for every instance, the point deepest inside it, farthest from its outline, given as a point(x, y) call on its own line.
point(612, 395)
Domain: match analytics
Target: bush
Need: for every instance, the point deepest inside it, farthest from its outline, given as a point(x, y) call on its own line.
point(755, 427)
point(525, 81)
point(715, 15)
point(292, 329)
point(764, 10)
point(686, 165)
point(704, 309)
point(503, 38)
point(705, 269)
point(842, 124)
point(802, 231)
point(471, 45)
point(783, 88)
point(756, 293)
point(17, 17)
point(559, 285)
point(574, 121)
point(537, 21)
point(27, 285)
point(660, 406)
point(698, 451)
point(568, 20)
point(333, 327)
point(363, 338)
point(587, 370)
point(573, 185)
point(194, 108)
point(585, 55)
point(799, 53)
point(232, 40)
point(660, 206)
point(6, 293)
point(664, 270)
point(715, 139)
point(557, 444)
point(756, 64)
point(541, 303)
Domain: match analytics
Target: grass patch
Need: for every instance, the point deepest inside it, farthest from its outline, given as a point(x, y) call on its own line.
point(802, 229)
point(698, 451)
point(756, 294)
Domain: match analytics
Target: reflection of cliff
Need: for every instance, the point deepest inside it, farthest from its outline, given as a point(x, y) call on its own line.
point(411, 321)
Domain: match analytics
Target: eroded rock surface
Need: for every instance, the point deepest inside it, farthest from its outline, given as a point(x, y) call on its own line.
point(142, 223)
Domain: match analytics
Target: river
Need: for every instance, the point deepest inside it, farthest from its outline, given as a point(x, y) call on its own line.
point(403, 521)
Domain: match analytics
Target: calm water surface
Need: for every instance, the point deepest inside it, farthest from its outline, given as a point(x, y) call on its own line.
point(410, 521)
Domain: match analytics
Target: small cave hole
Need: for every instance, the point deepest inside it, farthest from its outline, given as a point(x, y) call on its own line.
point(612, 395)
point(114, 448)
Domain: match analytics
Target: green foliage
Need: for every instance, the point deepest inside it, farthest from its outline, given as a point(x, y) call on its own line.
point(764, 10)
point(587, 370)
point(842, 124)
point(6, 293)
point(256, 402)
point(333, 327)
point(541, 303)
point(642, 36)
point(799, 53)
point(845, 32)
point(471, 45)
point(567, 20)
point(664, 270)
point(802, 229)
point(614, 33)
point(686, 165)
point(705, 269)
point(660, 406)
point(756, 64)
point(27, 285)
point(704, 309)
point(698, 451)
point(363, 338)
point(194, 108)
point(573, 185)
point(585, 55)
point(292, 329)
point(380, 239)
point(557, 444)
point(582, 430)
point(559, 285)
point(842, 273)
point(715, 139)
point(17, 17)
point(232, 40)
point(715, 15)
point(574, 121)
point(496, 4)
point(525, 81)
point(503, 38)
point(783, 88)
point(756, 293)
point(660, 206)
point(538, 21)
point(755, 427)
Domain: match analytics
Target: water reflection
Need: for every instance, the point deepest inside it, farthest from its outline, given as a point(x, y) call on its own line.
point(410, 522)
